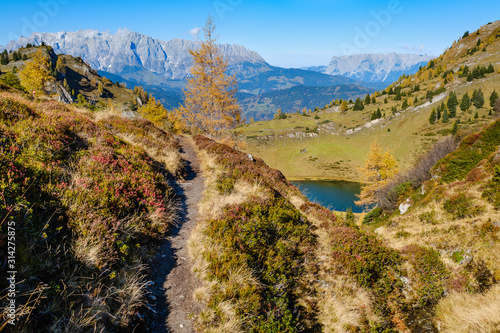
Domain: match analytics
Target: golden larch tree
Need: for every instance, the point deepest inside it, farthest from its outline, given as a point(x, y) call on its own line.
point(36, 73)
point(210, 105)
point(344, 106)
point(153, 111)
point(379, 168)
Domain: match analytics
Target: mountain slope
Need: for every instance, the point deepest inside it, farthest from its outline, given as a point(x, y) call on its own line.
point(284, 78)
point(162, 67)
point(264, 106)
point(343, 139)
point(88, 195)
point(455, 214)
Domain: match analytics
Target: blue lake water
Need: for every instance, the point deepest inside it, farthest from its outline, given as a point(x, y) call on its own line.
point(335, 195)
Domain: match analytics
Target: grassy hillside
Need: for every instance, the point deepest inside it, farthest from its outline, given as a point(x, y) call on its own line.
point(271, 261)
point(84, 198)
point(329, 144)
point(72, 77)
point(456, 214)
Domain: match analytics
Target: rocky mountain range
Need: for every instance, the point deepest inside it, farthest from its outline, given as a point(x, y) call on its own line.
point(128, 51)
point(162, 68)
point(377, 67)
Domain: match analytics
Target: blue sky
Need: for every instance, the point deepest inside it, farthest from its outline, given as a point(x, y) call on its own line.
point(288, 33)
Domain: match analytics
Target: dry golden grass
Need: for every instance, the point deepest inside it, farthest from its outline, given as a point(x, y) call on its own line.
point(213, 203)
point(447, 234)
point(212, 206)
point(343, 304)
point(111, 109)
point(466, 313)
point(170, 159)
point(130, 293)
point(230, 323)
point(88, 250)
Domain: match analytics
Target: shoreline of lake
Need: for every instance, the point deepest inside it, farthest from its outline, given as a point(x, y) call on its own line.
point(337, 195)
point(323, 179)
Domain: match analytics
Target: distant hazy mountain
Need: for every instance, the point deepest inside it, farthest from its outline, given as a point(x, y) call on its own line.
point(285, 78)
point(377, 67)
point(319, 69)
point(130, 52)
point(162, 68)
point(265, 105)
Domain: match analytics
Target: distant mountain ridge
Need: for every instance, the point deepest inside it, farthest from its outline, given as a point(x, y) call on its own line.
point(120, 52)
point(162, 68)
point(377, 67)
point(285, 78)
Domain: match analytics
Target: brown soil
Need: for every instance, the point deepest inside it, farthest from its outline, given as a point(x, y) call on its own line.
point(174, 282)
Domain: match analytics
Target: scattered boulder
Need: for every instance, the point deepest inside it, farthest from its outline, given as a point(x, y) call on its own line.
point(403, 208)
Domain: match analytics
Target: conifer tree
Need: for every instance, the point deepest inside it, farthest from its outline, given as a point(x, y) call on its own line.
point(438, 116)
point(405, 104)
point(454, 129)
point(4, 58)
point(465, 104)
point(61, 65)
point(478, 98)
point(100, 89)
point(210, 105)
point(432, 118)
point(452, 104)
point(493, 98)
point(445, 116)
point(66, 85)
point(379, 113)
point(358, 105)
point(379, 168)
point(36, 73)
point(367, 99)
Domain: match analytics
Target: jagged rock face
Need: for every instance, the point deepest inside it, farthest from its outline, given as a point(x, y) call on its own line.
point(377, 67)
point(130, 51)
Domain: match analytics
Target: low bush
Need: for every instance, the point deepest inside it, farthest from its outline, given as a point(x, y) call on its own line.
point(375, 267)
point(361, 255)
point(470, 152)
point(269, 237)
point(428, 217)
point(429, 273)
point(372, 215)
point(492, 189)
point(389, 196)
point(461, 206)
